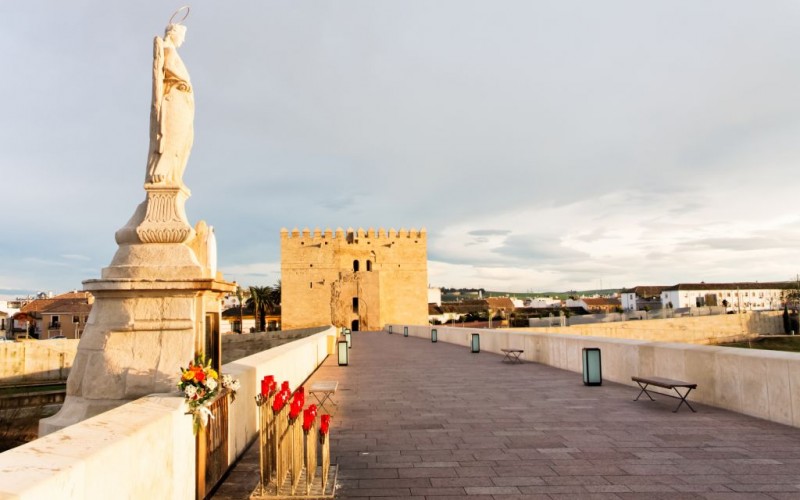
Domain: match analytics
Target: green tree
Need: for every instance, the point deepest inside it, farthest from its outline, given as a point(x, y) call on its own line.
point(274, 298)
point(259, 296)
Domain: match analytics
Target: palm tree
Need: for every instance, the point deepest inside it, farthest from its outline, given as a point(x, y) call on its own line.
point(274, 298)
point(259, 297)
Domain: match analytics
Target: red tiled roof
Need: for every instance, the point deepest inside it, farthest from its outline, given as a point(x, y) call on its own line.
point(780, 285)
point(68, 306)
point(645, 291)
point(458, 307)
point(39, 305)
point(500, 303)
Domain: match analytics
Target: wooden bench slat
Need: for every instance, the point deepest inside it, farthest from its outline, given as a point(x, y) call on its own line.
point(666, 383)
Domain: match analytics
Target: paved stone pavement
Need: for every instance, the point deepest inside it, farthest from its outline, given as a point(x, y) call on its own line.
point(420, 420)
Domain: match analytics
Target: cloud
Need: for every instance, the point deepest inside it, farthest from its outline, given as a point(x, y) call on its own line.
point(533, 138)
point(76, 257)
point(35, 261)
point(257, 273)
point(490, 232)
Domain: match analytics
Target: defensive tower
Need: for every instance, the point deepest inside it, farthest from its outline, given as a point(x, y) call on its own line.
point(355, 278)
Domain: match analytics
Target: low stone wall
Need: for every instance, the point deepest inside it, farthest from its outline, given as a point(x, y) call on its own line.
point(36, 360)
point(692, 330)
point(239, 345)
point(46, 360)
point(760, 383)
point(150, 438)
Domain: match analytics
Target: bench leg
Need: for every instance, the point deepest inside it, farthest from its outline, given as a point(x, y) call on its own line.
point(683, 400)
point(644, 390)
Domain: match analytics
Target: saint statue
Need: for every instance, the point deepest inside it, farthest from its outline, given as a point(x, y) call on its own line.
point(172, 111)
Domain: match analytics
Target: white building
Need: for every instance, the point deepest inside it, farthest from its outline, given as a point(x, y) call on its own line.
point(543, 302)
point(628, 299)
point(641, 297)
point(733, 296)
point(435, 296)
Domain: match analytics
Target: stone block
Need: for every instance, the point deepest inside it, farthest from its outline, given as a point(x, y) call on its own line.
point(794, 386)
point(753, 383)
point(699, 368)
point(779, 390)
point(727, 373)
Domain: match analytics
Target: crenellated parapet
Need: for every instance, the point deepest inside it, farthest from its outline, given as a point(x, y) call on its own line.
point(308, 237)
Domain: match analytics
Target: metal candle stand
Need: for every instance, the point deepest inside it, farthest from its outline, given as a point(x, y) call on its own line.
point(266, 453)
point(311, 458)
point(288, 456)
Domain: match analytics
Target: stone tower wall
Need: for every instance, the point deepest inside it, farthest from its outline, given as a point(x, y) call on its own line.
point(319, 282)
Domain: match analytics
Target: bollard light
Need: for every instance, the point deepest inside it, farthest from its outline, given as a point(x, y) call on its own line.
point(592, 367)
point(476, 342)
point(433, 335)
point(405, 331)
point(343, 354)
point(348, 337)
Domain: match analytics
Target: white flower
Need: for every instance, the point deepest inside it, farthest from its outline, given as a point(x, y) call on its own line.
point(211, 384)
point(190, 391)
point(231, 383)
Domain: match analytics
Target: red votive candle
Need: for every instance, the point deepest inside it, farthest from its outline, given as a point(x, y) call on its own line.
point(325, 423)
point(308, 419)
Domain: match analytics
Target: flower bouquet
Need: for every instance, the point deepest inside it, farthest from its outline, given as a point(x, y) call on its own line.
point(200, 384)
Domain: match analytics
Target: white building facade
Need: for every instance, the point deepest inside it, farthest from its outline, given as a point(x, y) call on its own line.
point(628, 300)
point(732, 296)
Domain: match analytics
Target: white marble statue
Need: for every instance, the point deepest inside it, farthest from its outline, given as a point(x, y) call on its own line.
point(172, 112)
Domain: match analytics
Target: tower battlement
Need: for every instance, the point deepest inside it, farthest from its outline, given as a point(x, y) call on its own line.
point(350, 235)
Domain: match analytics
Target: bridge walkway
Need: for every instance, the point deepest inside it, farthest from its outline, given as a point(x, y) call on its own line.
point(421, 420)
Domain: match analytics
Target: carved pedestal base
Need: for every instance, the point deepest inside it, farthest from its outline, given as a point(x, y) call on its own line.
point(139, 334)
point(161, 218)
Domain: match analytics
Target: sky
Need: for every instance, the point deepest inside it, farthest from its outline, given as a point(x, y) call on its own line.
point(545, 146)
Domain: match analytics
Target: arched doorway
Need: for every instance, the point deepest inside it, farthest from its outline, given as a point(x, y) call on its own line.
point(354, 325)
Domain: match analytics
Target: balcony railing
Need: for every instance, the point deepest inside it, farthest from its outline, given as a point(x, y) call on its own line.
point(54, 326)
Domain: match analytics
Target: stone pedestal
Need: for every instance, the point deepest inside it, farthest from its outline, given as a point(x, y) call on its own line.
point(138, 336)
point(155, 307)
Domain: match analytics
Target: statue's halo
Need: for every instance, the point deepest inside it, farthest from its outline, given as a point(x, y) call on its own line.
point(177, 12)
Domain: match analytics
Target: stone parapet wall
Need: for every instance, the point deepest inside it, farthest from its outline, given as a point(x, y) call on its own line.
point(36, 360)
point(692, 330)
point(763, 384)
point(145, 449)
point(236, 346)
